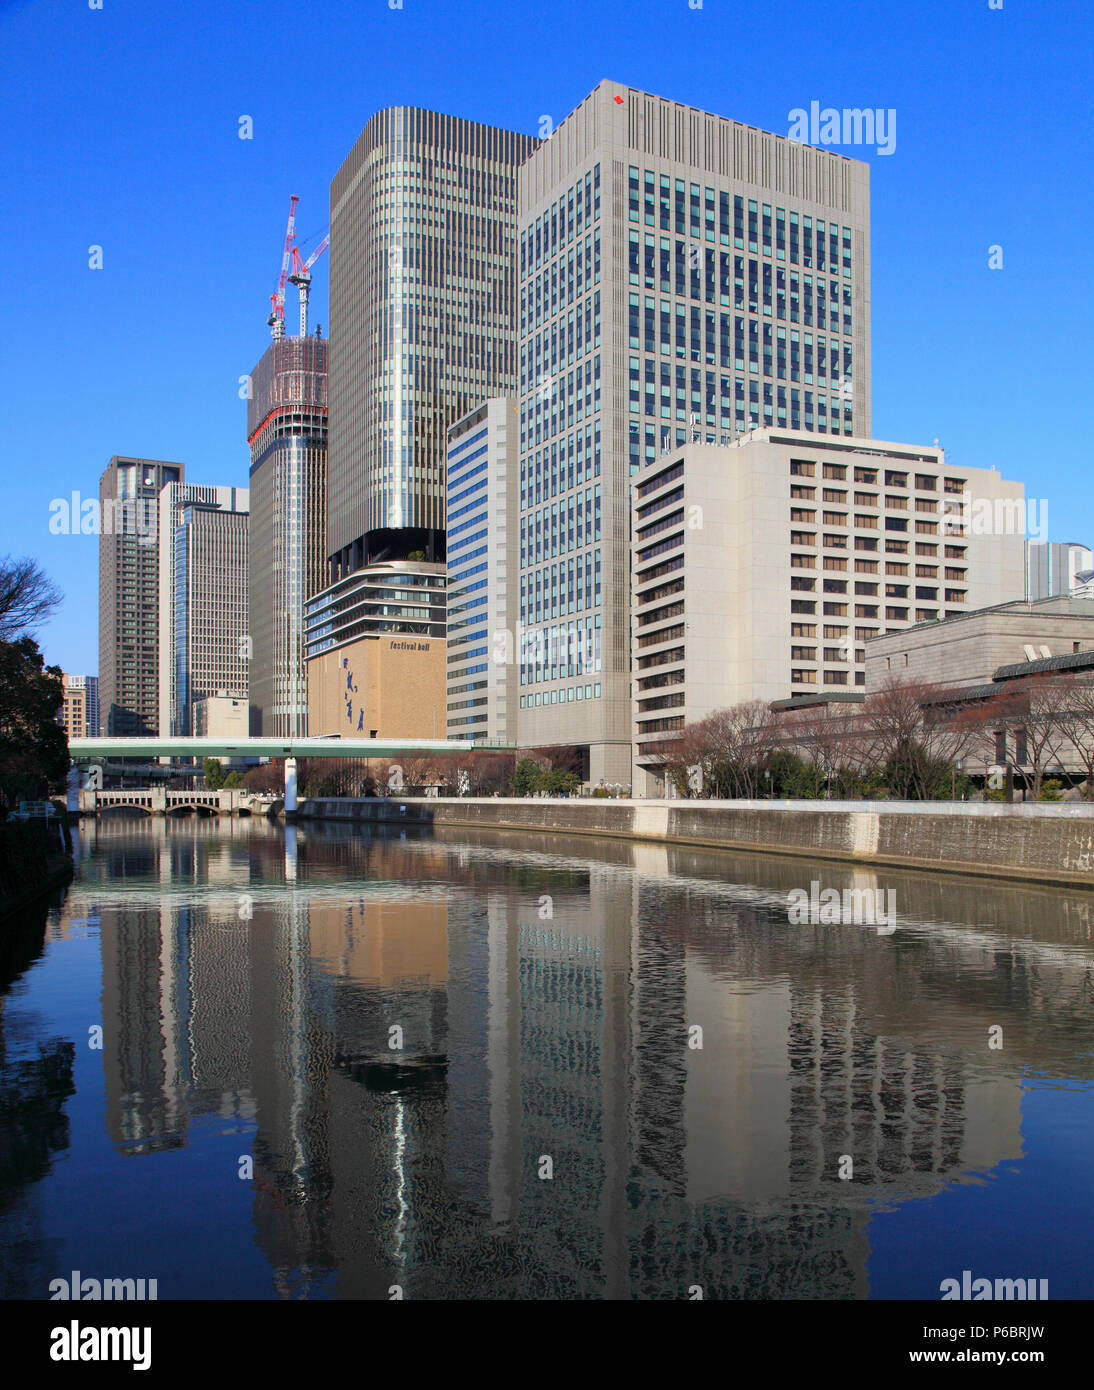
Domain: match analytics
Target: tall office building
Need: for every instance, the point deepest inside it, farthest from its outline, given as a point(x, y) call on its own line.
point(482, 574)
point(129, 492)
point(202, 599)
point(79, 715)
point(681, 276)
point(287, 435)
point(761, 570)
point(1057, 567)
point(423, 320)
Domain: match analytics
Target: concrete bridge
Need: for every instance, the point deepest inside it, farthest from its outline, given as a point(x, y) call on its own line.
point(158, 801)
point(90, 750)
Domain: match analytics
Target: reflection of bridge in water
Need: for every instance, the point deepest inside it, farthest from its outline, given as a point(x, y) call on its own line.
point(158, 801)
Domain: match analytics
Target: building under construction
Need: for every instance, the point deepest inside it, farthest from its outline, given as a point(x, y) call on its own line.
point(287, 436)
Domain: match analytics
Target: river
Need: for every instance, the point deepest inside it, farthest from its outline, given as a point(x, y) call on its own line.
point(251, 1062)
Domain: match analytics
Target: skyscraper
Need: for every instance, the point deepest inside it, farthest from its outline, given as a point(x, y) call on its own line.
point(202, 599)
point(682, 277)
point(129, 491)
point(287, 434)
point(423, 320)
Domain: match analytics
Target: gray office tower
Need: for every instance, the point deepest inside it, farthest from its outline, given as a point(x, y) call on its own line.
point(129, 492)
point(286, 554)
point(682, 277)
point(423, 320)
point(203, 599)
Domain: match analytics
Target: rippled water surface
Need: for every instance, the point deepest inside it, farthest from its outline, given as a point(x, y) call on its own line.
point(486, 1065)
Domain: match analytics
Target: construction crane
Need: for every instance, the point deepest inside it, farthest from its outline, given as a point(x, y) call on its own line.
point(276, 321)
point(301, 278)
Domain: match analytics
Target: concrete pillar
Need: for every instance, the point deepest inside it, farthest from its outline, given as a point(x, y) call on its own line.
point(290, 788)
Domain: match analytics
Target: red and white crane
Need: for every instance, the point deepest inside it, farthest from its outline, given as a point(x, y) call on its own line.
point(276, 321)
point(301, 278)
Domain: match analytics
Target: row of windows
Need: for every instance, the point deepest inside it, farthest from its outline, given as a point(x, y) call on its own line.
point(720, 339)
point(566, 587)
point(837, 472)
point(672, 205)
point(567, 525)
point(561, 465)
point(560, 284)
point(568, 216)
point(717, 278)
point(563, 400)
point(554, 653)
point(708, 395)
point(561, 697)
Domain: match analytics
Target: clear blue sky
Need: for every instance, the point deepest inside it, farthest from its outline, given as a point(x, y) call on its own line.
point(120, 130)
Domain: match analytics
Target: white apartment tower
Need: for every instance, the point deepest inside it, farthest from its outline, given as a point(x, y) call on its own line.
point(682, 277)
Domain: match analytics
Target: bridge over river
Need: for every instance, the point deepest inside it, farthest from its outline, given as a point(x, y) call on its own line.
point(86, 751)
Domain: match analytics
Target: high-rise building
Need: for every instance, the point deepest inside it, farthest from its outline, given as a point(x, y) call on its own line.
point(482, 573)
point(287, 434)
point(760, 570)
point(129, 492)
point(202, 599)
point(682, 277)
point(79, 715)
point(1057, 567)
point(423, 320)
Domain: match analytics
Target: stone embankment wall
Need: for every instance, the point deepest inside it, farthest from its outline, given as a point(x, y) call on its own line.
point(1021, 844)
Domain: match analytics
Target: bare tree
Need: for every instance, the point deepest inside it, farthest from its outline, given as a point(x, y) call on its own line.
point(1080, 730)
point(27, 598)
point(1043, 728)
point(918, 732)
point(828, 739)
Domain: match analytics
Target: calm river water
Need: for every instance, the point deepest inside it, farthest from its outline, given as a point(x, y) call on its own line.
point(328, 1063)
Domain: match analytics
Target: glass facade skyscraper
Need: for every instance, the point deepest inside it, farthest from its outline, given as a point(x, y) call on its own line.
point(287, 434)
point(422, 302)
point(682, 277)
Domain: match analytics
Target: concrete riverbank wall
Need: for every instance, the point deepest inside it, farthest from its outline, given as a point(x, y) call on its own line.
point(1044, 844)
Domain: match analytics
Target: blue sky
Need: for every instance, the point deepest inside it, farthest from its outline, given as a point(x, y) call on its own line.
point(120, 130)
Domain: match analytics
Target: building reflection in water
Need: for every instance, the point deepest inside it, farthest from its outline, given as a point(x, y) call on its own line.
point(542, 1002)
